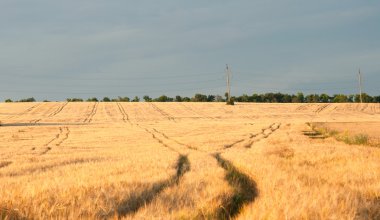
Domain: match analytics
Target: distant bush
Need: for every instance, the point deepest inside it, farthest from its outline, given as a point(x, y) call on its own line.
point(93, 99)
point(340, 98)
point(27, 100)
point(74, 100)
point(136, 99)
point(106, 99)
point(123, 99)
point(230, 102)
point(163, 98)
point(8, 100)
point(186, 99)
point(147, 98)
point(199, 98)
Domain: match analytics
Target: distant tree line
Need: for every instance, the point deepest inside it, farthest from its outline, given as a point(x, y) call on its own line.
point(263, 98)
point(22, 100)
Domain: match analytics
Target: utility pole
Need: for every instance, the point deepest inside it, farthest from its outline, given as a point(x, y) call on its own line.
point(228, 73)
point(360, 86)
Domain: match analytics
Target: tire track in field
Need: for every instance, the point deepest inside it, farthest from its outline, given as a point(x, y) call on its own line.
point(138, 200)
point(59, 138)
point(154, 136)
point(57, 111)
point(303, 107)
point(177, 142)
point(162, 112)
point(89, 117)
point(193, 111)
point(321, 108)
point(26, 111)
point(265, 133)
point(123, 113)
point(244, 190)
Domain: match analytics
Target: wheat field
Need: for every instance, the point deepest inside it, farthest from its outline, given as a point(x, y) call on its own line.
point(186, 161)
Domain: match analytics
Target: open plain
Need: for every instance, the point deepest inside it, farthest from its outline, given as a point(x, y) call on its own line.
point(186, 161)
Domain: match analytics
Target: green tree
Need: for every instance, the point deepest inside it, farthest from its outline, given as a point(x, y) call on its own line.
point(350, 98)
point(324, 98)
point(27, 100)
point(256, 98)
point(186, 99)
point(178, 98)
point(366, 98)
point(74, 100)
point(340, 98)
point(243, 98)
point(106, 99)
point(136, 99)
point(210, 98)
point(123, 99)
point(8, 100)
point(147, 98)
point(162, 98)
point(312, 98)
point(300, 97)
point(287, 98)
point(199, 98)
point(376, 99)
point(93, 99)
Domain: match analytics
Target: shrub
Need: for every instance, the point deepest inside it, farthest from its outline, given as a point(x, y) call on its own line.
point(163, 98)
point(74, 100)
point(123, 99)
point(93, 99)
point(147, 98)
point(230, 102)
point(8, 100)
point(27, 100)
point(136, 99)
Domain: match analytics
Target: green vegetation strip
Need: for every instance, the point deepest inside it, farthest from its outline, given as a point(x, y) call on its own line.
point(346, 137)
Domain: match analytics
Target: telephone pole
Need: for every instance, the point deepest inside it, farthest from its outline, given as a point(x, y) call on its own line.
point(360, 86)
point(228, 73)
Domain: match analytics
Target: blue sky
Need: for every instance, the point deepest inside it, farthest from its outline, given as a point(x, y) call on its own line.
point(59, 49)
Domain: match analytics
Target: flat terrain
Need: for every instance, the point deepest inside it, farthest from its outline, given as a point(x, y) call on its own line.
point(186, 161)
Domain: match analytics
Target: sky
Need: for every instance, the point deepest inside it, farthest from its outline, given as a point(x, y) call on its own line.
point(95, 48)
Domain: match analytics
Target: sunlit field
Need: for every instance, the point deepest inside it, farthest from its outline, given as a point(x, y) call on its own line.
point(188, 161)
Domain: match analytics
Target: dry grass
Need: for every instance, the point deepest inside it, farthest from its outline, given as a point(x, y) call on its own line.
point(185, 161)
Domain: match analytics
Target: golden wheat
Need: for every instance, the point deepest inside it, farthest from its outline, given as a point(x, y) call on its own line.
point(186, 161)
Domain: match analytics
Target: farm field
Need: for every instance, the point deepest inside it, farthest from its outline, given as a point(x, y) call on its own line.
point(186, 161)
